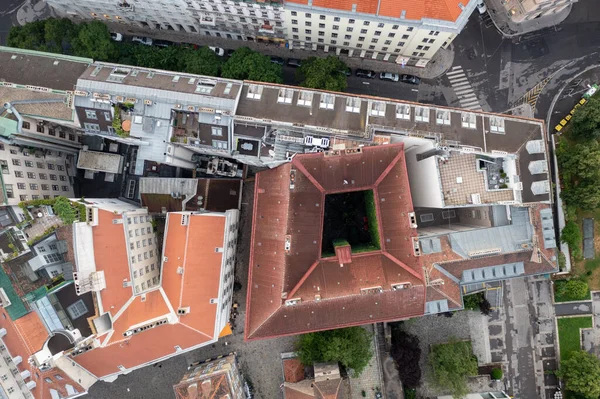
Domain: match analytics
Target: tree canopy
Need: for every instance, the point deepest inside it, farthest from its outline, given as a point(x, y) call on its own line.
point(64, 209)
point(92, 40)
point(248, 64)
point(581, 372)
point(406, 353)
point(585, 124)
point(351, 347)
point(323, 73)
point(572, 290)
point(452, 363)
point(578, 163)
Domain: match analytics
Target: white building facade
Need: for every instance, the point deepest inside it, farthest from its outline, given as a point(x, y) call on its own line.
point(298, 24)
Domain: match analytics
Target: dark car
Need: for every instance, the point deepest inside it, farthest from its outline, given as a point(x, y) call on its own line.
point(162, 43)
point(277, 60)
point(365, 73)
point(229, 52)
point(410, 79)
point(294, 62)
point(347, 71)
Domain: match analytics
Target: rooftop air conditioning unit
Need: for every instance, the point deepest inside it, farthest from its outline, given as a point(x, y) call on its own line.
point(148, 102)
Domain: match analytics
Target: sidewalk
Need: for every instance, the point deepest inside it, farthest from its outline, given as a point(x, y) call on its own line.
point(438, 65)
point(510, 29)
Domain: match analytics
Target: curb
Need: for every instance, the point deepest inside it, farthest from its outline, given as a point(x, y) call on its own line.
point(513, 35)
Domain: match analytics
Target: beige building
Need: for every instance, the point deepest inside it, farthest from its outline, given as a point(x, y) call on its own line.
point(29, 175)
point(525, 10)
point(386, 30)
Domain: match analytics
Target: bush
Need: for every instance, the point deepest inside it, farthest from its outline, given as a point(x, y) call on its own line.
point(562, 261)
point(571, 235)
point(571, 290)
point(496, 374)
point(471, 302)
point(452, 364)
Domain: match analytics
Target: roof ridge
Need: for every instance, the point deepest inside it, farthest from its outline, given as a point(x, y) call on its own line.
point(446, 295)
point(450, 261)
point(390, 165)
point(304, 277)
point(402, 265)
point(308, 175)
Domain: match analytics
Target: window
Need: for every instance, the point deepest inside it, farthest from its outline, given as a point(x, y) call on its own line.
point(296, 37)
point(396, 50)
point(33, 186)
point(327, 101)
point(363, 31)
point(72, 137)
point(90, 114)
point(9, 190)
point(308, 39)
point(55, 187)
point(53, 258)
point(58, 377)
point(94, 127)
point(62, 135)
point(353, 104)
point(107, 116)
point(254, 92)
point(409, 29)
point(31, 175)
point(322, 17)
point(41, 249)
point(219, 144)
point(426, 48)
point(45, 187)
point(371, 48)
point(336, 19)
point(21, 186)
point(65, 188)
point(29, 164)
point(63, 178)
point(377, 33)
point(419, 47)
point(77, 309)
point(35, 197)
point(361, 39)
point(346, 43)
point(26, 125)
point(322, 26)
point(307, 15)
point(40, 165)
point(349, 29)
point(321, 33)
point(18, 173)
point(434, 33)
point(351, 21)
point(50, 166)
point(39, 128)
point(374, 40)
point(334, 35)
point(421, 54)
point(11, 390)
point(43, 176)
point(348, 37)
point(388, 42)
point(46, 197)
point(384, 49)
point(395, 27)
point(25, 153)
point(308, 23)
point(366, 23)
point(307, 31)
point(295, 21)
point(336, 27)
point(217, 131)
point(23, 197)
point(295, 30)
point(16, 162)
point(294, 13)
point(359, 45)
point(405, 36)
point(52, 177)
point(391, 35)
point(13, 151)
point(285, 96)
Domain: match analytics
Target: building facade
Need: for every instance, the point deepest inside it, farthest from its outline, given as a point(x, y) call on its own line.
point(408, 34)
point(527, 10)
point(219, 378)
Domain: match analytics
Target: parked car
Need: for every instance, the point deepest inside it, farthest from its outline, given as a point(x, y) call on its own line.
point(277, 60)
point(392, 77)
point(117, 37)
point(365, 73)
point(481, 7)
point(162, 43)
point(190, 46)
point(229, 52)
point(218, 51)
point(410, 79)
point(142, 40)
point(294, 62)
point(347, 71)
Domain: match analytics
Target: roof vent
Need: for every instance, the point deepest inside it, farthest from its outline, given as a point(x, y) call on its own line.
point(180, 270)
point(371, 290)
point(292, 302)
point(126, 283)
point(401, 286)
point(182, 311)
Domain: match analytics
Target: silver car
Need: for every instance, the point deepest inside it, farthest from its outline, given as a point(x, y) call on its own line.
point(392, 77)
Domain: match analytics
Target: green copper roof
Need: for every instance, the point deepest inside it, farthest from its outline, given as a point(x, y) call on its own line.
point(8, 127)
point(16, 309)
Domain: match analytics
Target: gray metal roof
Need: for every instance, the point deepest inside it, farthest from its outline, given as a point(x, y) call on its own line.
point(510, 238)
point(430, 245)
point(548, 228)
point(434, 307)
point(498, 272)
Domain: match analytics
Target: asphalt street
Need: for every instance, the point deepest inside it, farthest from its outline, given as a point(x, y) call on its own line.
point(8, 11)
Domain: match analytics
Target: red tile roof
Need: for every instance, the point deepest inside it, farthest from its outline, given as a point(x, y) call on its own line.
point(330, 295)
point(447, 10)
point(293, 370)
point(191, 247)
point(24, 337)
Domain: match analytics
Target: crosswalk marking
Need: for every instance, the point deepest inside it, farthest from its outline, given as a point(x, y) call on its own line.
point(463, 89)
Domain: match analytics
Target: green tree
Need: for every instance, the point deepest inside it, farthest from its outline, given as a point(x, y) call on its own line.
point(59, 35)
point(202, 61)
point(29, 36)
point(452, 363)
point(93, 41)
point(571, 235)
point(247, 64)
point(64, 210)
point(323, 73)
point(581, 372)
point(585, 124)
point(578, 164)
point(572, 290)
point(351, 347)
